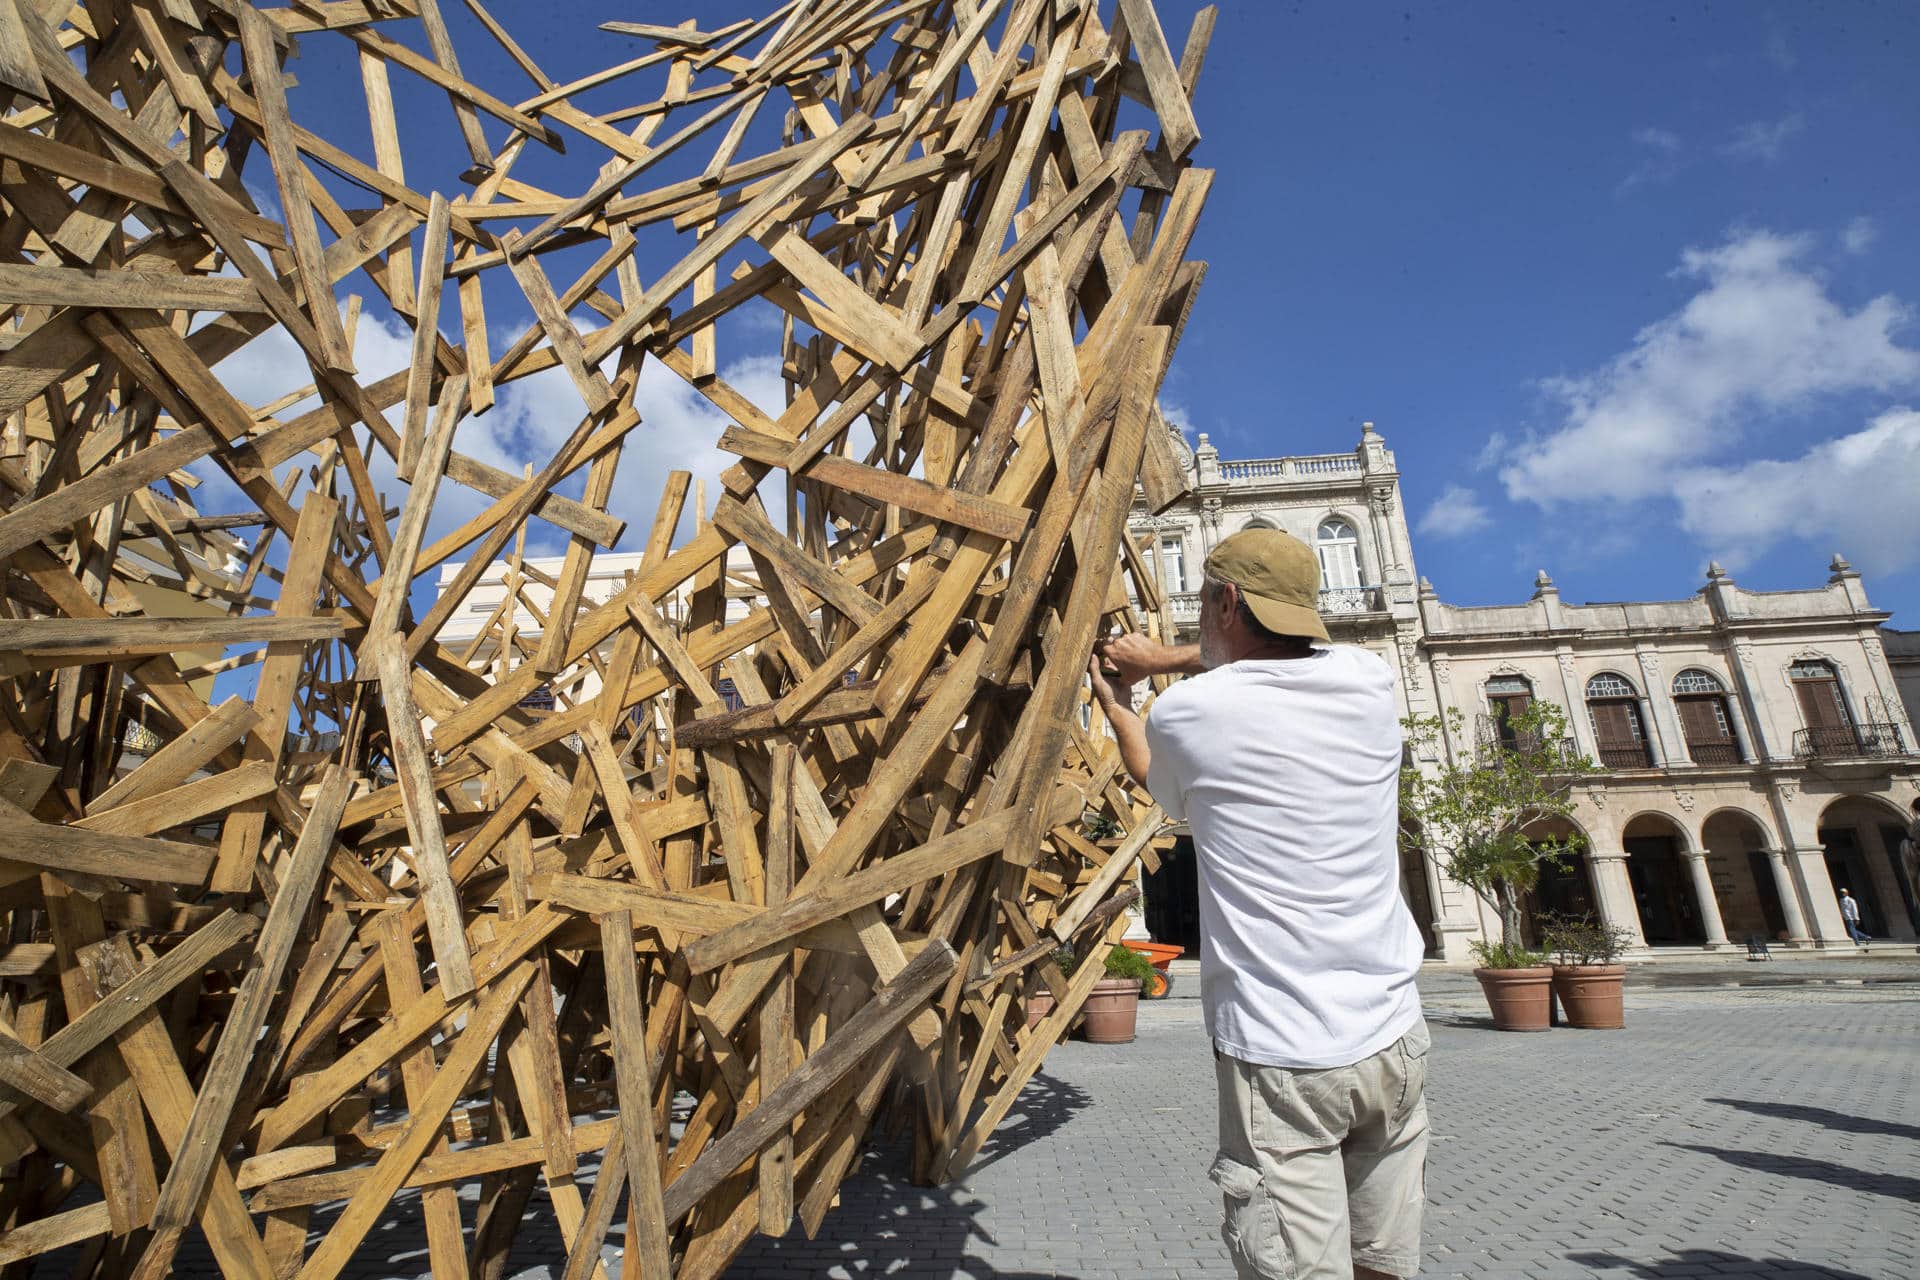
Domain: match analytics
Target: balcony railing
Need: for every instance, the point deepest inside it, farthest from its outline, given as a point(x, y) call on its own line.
point(1185, 605)
point(1545, 753)
point(1877, 741)
point(1625, 755)
point(1715, 752)
point(1351, 600)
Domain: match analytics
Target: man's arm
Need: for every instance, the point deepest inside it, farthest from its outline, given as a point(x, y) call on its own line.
point(1129, 731)
point(1135, 657)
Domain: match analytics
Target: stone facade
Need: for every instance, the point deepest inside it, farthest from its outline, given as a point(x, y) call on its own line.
point(1756, 753)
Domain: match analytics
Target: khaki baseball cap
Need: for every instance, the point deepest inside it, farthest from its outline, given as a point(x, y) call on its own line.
point(1278, 576)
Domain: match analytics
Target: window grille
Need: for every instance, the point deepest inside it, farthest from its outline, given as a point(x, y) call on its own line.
point(1697, 681)
point(1609, 685)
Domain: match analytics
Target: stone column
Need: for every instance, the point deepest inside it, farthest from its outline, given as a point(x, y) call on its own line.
point(1704, 895)
point(1615, 891)
point(1663, 718)
point(1573, 698)
point(1817, 894)
point(1789, 898)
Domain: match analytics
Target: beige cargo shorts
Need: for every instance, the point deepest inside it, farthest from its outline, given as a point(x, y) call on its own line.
point(1321, 1170)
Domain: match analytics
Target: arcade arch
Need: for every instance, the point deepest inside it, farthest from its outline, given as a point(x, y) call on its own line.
point(1566, 890)
point(1745, 886)
point(1667, 892)
point(1861, 836)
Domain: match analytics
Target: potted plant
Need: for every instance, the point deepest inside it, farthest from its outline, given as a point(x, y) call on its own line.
point(1474, 812)
point(1587, 978)
point(1517, 983)
point(1109, 1015)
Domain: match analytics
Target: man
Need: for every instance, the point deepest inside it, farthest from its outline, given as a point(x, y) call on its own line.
point(1850, 914)
point(1283, 758)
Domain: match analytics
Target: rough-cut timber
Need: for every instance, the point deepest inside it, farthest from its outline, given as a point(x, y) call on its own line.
point(656, 902)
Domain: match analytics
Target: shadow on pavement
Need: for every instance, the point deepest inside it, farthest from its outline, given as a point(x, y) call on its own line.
point(1898, 1186)
point(885, 1225)
point(1694, 1263)
point(1836, 1120)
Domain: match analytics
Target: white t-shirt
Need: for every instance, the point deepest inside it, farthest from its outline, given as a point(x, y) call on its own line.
point(1287, 773)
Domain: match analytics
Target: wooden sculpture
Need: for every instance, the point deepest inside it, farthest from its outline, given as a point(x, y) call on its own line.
point(385, 923)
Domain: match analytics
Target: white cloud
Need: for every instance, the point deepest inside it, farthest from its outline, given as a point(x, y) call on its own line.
point(1661, 158)
point(1858, 236)
point(1764, 140)
point(1853, 494)
point(1657, 139)
point(1457, 512)
point(1762, 335)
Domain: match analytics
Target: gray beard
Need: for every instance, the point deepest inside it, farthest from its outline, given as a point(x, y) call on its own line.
point(1210, 653)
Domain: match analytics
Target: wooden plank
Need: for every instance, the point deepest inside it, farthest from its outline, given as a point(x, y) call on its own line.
point(53, 286)
point(63, 848)
point(640, 1143)
point(290, 175)
point(426, 334)
point(127, 637)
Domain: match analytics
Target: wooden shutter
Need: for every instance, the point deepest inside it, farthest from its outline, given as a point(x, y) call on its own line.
point(1617, 726)
point(1820, 704)
point(1701, 721)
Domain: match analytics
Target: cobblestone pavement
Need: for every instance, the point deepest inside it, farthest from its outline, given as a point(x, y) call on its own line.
point(1729, 1131)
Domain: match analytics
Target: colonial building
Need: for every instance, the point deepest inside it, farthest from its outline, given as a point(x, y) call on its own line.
point(1754, 752)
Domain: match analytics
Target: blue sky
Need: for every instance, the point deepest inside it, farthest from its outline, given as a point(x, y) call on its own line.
point(1590, 269)
point(1626, 287)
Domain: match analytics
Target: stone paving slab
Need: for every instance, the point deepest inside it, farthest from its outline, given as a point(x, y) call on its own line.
point(1726, 1132)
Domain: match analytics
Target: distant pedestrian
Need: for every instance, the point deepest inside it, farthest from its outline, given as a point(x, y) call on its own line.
point(1283, 754)
point(1850, 912)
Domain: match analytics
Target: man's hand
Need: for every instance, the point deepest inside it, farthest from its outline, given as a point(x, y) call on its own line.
point(1115, 696)
point(1136, 657)
point(1109, 690)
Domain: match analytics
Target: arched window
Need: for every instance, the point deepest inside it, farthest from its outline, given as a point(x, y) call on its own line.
point(1823, 708)
point(1339, 549)
point(1702, 702)
point(1614, 705)
point(1507, 697)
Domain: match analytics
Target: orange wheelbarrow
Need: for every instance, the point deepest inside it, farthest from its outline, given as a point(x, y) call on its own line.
point(1159, 955)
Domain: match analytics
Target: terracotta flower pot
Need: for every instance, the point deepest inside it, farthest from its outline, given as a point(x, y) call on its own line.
point(1039, 1005)
point(1518, 998)
point(1592, 995)
point(1110, 1011)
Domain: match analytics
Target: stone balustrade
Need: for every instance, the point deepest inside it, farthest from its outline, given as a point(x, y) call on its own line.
point(1271, 470)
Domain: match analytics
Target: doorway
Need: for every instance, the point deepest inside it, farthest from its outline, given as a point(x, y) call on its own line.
point(1173, 898)
point(1668, 914)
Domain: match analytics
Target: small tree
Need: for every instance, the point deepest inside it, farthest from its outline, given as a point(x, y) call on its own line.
point(1472, 814)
